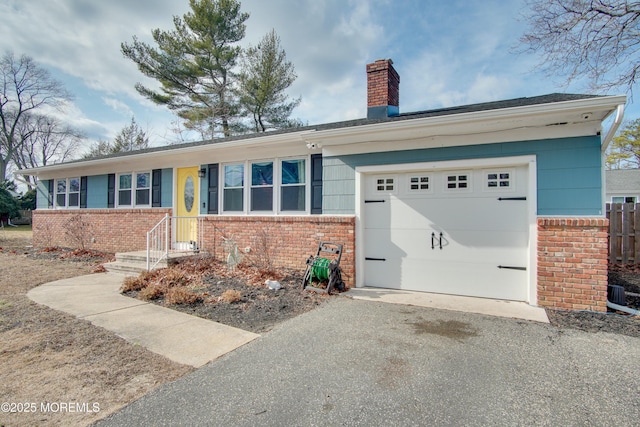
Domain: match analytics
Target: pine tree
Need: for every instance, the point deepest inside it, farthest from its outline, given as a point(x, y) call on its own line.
point(624, 151)
point(194, 65)
point(264, 77)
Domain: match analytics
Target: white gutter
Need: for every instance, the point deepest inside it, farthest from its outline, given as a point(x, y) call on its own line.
point(363, 132)
point(614, 127)
point(164, 152)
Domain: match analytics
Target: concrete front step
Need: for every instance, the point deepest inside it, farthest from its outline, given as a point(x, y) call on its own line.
point(136, 262)
point(124, 268)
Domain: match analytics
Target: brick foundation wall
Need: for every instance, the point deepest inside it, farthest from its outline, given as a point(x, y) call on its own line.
point(108, 230)
point(572, 263)
point(289, 239)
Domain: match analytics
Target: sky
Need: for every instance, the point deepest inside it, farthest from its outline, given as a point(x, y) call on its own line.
point(447, 53)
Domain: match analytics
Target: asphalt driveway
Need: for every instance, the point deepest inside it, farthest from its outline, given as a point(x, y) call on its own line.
point(353, 362)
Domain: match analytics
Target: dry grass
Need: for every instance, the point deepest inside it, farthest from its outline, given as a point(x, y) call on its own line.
point(47, 356)
point(230, 296)
point(181, 295)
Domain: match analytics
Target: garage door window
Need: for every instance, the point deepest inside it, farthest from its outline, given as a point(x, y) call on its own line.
point(458, 181)
point(420, 184)
point(498, 180)
point(385, 184)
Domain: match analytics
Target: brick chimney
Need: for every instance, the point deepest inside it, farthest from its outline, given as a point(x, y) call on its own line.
point(383, 90)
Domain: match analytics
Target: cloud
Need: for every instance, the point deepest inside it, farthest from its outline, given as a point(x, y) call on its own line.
point(118, 106)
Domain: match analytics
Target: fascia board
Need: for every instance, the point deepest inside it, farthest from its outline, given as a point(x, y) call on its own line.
point(479, 120)
point(180, 156)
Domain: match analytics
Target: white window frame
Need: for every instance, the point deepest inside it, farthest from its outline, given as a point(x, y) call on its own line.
point(276, 185)
point(223, 188)
point(249, 181)
point(306, 185)
point(133, 190)
point(67, 193)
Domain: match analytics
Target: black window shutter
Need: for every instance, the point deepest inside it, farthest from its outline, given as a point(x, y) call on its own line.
point(156, 188)
point(111, 190)
point(316, 184)
point(83, 192)
point(212, 192)
point(50, 195)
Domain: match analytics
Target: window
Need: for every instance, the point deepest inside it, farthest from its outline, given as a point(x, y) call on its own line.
point(420, 183)
point(293, 189)
point(233, 188)
point(124, 190)
point(134, 189)
point(68, 193)
point(623, 199)
point(262, 186)
point(459, 181)
point(143, 189)
point(385, 184)
point(499, 180)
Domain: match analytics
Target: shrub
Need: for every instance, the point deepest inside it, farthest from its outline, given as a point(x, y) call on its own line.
point(152, 292)
point(133, 284)
point(181, 295)
point(171, 278)
point(79, 230)
point(231, 296)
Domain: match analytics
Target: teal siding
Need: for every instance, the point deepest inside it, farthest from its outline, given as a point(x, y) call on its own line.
point(167, 188)
point(42, 194)
point(569, 172)
point(97, 192)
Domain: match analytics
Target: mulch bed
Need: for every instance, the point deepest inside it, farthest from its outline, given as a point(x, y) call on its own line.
point(253, 306)
point(627, 276)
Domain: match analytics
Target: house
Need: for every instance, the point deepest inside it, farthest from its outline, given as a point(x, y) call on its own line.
point(499, 200)
point(622, 186)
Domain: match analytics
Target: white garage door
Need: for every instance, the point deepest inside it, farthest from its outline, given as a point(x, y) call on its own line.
point(461, 232)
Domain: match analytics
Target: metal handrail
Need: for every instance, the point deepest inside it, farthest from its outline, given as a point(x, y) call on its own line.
point(159, 242)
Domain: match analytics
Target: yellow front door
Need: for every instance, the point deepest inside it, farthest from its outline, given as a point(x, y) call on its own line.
point(187, 207)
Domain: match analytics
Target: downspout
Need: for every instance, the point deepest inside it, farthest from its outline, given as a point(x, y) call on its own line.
point(622, 308)
point(614, 127)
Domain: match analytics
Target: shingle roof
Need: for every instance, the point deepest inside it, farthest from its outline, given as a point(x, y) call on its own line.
point(486, 106)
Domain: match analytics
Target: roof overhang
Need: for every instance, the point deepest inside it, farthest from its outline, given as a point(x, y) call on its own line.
point(532, 122)
point(535, 122)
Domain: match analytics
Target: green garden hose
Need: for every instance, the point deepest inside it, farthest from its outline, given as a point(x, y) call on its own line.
point(320, 269)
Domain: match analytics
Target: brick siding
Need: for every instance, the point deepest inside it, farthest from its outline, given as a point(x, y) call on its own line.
point(572, 263)
point(108, 230)
point(289, 240)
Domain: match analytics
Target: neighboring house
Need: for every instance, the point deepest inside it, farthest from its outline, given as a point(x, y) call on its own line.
point(622, 185)
point(500, 200)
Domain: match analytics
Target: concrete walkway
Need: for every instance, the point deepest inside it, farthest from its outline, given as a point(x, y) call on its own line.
point(178, 336)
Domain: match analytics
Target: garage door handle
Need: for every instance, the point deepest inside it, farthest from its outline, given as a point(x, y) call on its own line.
point(510, 267)
point(374, 259)
point(511, 198)
point(433, 240)
point(374, 201)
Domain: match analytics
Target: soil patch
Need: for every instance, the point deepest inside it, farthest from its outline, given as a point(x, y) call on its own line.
point(49, 358)
point(618, 323)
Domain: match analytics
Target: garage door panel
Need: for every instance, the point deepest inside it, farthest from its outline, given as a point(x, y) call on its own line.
point(477, 232)
point(469, 214)
point(437, 277)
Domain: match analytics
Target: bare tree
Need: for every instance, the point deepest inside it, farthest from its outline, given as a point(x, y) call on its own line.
point(45, 140)
point(597, 39)
point(24, 88)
